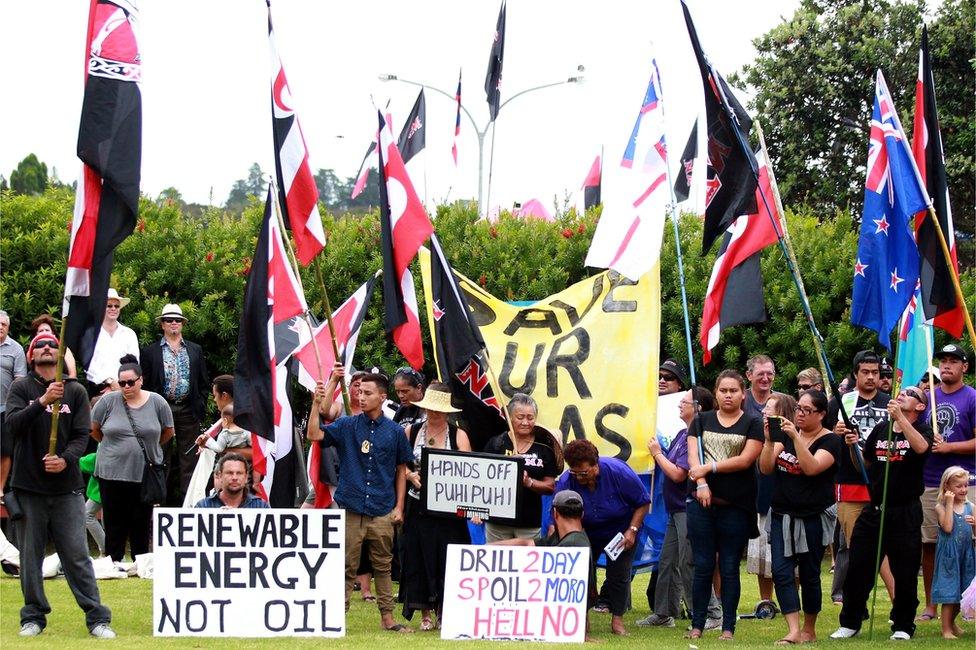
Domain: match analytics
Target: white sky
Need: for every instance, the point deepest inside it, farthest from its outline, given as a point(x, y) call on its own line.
point(206, 84)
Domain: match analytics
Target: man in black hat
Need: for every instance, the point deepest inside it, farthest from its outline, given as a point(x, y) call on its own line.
point(671, 378)
point(954, 444)
point(887, 376)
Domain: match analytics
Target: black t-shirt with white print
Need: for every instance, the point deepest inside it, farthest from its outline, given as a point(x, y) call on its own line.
point(866, 414)
point(905, 482)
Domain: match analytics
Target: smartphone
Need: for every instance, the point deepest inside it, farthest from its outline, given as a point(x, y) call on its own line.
point(776, 429)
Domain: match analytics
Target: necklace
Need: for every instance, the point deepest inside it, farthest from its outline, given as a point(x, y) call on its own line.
point(520, 452)
point(432, 438)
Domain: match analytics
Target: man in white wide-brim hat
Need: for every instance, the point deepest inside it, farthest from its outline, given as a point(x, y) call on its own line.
point(114, 341)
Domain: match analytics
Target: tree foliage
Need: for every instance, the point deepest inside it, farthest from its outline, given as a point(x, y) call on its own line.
point(814, 81)
point(201, 262)
point(254, 186)
point(30, 177)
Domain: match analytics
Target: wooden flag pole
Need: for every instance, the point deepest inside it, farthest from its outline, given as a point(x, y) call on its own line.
point(817, 341)
point(954, 275)
point(58, 376)
point(335, 345)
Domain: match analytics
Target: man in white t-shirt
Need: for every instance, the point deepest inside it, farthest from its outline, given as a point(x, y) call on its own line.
point(114, 341)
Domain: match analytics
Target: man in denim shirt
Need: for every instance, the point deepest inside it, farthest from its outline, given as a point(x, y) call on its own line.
point(373, 453)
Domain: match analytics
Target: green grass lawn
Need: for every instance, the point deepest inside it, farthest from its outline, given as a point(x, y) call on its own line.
point(131, 603)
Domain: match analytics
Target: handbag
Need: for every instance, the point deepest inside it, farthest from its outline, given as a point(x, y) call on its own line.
point(153, 488)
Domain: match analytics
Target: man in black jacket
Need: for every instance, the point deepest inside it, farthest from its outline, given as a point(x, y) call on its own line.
point(175, 368)
point(49, 488)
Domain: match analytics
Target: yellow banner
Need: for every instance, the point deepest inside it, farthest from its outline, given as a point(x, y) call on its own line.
point(588, 355)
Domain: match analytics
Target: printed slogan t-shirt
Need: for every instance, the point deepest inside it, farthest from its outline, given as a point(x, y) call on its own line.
point(721, 443)
point(798, 494)
point(540, 462)
point(905, 476)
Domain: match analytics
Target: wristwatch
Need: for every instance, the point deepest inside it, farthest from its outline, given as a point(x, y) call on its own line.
point(635, 529)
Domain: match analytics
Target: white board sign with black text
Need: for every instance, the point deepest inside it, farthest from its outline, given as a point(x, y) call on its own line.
point(249, 572)
point(464, 484)
point(516, 592)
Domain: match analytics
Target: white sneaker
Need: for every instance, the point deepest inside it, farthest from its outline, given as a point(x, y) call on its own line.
point(844, 633)
point(30, 629)
point(900, 636)
point(103, 631)
point(712, 624)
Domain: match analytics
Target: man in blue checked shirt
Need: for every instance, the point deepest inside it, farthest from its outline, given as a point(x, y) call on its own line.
point(373, 453)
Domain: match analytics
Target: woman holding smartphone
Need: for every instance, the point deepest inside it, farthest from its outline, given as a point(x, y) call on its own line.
point(803, 457)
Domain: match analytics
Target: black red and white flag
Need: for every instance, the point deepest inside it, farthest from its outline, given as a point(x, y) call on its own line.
point(271, 296)
point(348, 321)
point(457, 120)
point(730, 183)
point(592, 184)
point(364, 168)
point(735, 289)
point(413, 137)
point(404, 227)
point(298, 195)
point(938, 294)
point(110, 149)
point(682, 184)
point(493, 79)
point(459, 351)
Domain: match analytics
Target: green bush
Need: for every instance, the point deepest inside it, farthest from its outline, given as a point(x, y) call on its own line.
point(201, 263)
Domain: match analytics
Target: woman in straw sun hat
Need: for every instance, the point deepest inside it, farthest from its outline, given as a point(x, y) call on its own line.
point(424, 538)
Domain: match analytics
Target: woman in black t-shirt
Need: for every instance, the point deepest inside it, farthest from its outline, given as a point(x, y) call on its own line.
point(543, 463)
point(722, 448)
point(800, 528)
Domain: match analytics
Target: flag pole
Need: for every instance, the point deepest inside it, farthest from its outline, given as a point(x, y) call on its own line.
point(308, 318)
point(954, 275)
point(928, 346)
point(817, 341)
point(58, 376)
point(896, 387)
point(491, 166)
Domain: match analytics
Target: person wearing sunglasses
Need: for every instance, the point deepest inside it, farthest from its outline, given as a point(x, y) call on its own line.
point(49, 488)
point(44, 324)
point(115, 340)
point(130, 425)
point(809, 379)
point(175, 368)
point(408, 384)
point(803, 463)
point(671, 378)
point(895, 462)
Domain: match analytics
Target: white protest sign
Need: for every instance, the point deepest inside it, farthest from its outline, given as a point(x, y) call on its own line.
point(460, 484)
point(516, 592)
point(669, 421)
point(249, 572)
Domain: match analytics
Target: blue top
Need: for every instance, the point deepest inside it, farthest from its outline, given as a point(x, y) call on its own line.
point(369, 452)
point(609, 506)
point(250, 501)
point(674, 493)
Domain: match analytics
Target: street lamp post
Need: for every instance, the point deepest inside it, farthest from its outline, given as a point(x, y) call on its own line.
point(481, 132)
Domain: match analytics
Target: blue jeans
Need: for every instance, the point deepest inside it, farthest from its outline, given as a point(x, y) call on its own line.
point(784, 568)
point(723, 530)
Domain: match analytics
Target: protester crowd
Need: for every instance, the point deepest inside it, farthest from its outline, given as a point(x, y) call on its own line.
point(778, 479)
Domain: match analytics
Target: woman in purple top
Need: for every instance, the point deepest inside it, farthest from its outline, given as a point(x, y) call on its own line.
point(614, 501)
point(675, 566)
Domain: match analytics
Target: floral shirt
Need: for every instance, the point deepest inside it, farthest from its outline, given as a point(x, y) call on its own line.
point(176, 372)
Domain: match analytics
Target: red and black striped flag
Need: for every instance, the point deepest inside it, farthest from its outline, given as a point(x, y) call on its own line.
point(110, 148)
point(938, 294)
point(297, 194)
point(271, 297)
point(404, 227)
point(493, 80)
point(730, 182)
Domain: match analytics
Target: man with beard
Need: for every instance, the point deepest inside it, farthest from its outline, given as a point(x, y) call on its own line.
point(49, 488)
point(231, 475)
point(887, 377)
point(761, 373)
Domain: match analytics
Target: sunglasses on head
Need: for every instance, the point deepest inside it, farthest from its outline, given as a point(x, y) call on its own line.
point(172, 320)
point(46, 344)
point(128, 383)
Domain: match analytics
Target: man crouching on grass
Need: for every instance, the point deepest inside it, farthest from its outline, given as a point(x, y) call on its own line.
point(49, 488)
point(567, 530)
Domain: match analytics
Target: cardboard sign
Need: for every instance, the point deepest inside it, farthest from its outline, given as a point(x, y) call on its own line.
point(516, 592)
point(461, 484)
point(249, 573)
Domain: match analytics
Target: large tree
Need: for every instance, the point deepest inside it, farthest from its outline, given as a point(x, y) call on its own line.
point(253, 185)
point(30, 177)
point(814, 80)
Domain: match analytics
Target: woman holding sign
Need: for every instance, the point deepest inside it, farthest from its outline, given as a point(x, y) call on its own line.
point(722, 513)
point(543, 463)
point(615, 502)
point(424, 539)
point(803, 459)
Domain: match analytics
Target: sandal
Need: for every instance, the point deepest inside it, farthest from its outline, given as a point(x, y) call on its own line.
point(370, 598)
point(398, 627)
point(426, 624)
point(694, 634)
point(924, 617)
